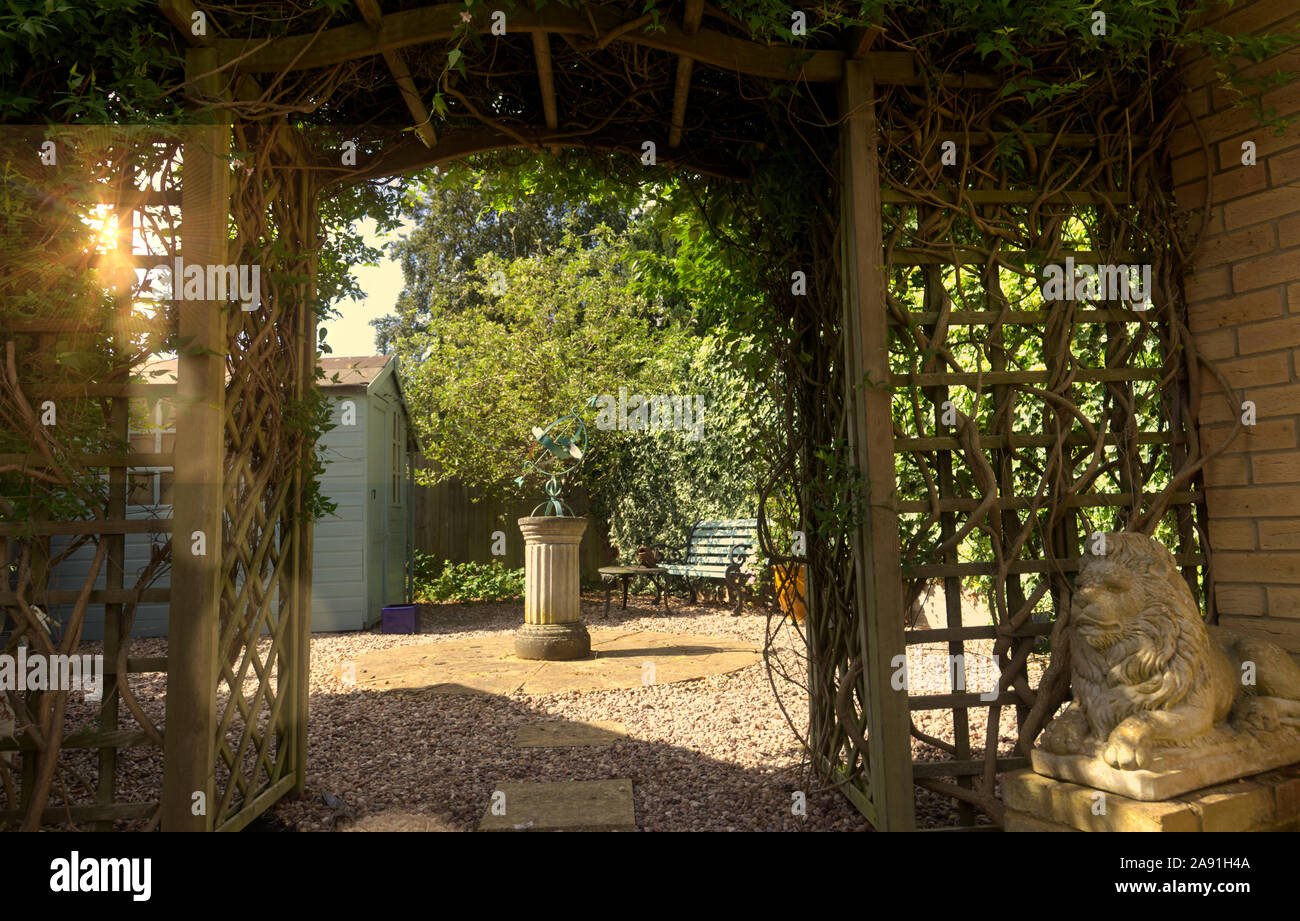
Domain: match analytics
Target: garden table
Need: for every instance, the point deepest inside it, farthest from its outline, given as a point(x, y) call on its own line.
point(626, 574)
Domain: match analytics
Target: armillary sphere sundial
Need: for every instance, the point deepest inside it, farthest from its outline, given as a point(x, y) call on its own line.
point(557, 451)
point(553, 627)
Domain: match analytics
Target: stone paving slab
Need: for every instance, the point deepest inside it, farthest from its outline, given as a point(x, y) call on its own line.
point(559, 733)
point(574, 805)
point(396, 820)
point(487, 665)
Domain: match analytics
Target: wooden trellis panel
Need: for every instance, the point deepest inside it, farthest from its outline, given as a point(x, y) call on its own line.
point(1065, 385)
point(234, 737)
point(85, 153)
point(247, 640)
point(869, 756)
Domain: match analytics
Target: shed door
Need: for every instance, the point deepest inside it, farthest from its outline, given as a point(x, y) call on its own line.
point(377, 513)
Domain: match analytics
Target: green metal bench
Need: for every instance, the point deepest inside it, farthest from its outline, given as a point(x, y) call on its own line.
point(714, 552)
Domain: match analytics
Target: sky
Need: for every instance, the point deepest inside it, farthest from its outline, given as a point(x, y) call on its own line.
point(351, 334)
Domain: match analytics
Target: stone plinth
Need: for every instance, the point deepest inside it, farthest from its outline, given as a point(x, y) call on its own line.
point(1264, 802)
point(1225, 755)
point(553, 627)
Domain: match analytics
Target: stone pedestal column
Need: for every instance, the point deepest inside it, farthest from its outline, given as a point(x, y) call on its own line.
point(553, 627)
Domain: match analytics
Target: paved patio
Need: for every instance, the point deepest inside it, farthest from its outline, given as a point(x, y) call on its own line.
point(622, 659)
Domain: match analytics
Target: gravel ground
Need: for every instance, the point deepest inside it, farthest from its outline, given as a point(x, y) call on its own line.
point(713, 754)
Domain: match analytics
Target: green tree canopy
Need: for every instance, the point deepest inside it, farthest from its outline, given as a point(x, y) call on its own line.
point(534, 338)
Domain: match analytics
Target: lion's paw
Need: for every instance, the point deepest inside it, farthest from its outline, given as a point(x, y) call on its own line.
point(1065, 735)
point(1256, 714)
point(1128, 746)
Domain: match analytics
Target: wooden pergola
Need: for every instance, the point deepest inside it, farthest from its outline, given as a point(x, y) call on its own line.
point(697, 58)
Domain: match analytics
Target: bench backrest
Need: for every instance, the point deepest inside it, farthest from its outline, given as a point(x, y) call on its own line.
point(711, 542)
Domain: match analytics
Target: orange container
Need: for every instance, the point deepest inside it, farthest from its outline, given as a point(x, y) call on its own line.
point(789, 591)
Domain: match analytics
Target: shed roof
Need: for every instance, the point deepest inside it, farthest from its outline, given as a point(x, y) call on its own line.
point(342, 371)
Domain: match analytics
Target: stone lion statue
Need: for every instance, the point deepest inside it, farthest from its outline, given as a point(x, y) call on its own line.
point(1148, 674)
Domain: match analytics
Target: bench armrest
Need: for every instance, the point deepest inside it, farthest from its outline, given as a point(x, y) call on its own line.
point(671, 553)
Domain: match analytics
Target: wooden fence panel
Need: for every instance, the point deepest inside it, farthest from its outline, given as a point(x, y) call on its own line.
point(456, 522)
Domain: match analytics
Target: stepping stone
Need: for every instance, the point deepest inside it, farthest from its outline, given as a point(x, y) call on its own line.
point(574, 805)
point(561, 733)
point(400, 821)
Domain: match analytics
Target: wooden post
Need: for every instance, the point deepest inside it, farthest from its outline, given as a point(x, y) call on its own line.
point(189, 749)
point(879, 588)
point(304, 547)
point(114, 561)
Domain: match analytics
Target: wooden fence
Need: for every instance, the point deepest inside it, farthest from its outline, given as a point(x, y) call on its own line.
point(457, 522)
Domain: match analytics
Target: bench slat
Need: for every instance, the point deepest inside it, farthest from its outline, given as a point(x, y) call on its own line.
point(709, 547)
point(708, 572)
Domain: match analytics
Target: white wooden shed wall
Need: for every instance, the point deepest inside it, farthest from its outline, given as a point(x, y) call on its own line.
point(360, 553)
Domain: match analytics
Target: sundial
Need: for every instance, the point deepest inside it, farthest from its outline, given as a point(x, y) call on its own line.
point(557, 451)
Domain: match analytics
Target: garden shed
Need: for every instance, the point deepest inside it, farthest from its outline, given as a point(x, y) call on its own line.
point(362, 551)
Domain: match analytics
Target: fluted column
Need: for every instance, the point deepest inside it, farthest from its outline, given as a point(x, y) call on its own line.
point(553, 627)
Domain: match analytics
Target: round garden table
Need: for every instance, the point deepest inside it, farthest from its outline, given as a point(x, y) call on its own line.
point(626, 574)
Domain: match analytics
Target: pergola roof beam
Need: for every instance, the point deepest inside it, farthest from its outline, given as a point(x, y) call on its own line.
point(546, 78)
point(180, 13)
point(438, 23)
point(860, 40)
point(401, 75)
point(685, 64)
point(408, 156)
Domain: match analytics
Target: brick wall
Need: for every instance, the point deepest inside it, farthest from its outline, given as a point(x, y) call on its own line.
point(1243, 293)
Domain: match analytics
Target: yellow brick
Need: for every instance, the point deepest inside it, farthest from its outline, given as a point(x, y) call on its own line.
point(1285, 100)
point(1276, 268)
point(1247, 600)
point(1261, 370)
point(1286, 791)
point(1270, 435)
point(1264, 206)
point(1253, 502)
point(1284, 601)
point(1278, 567)
point(1288, 229)
point(1272, 401)
point(1244, 308)
point(1253, 17)
point(1014, 820)
point(1276, 630)
point(1240, 806)
point(1238, 182)
point(1275, 468)
point(1227, 471)
point(1057, 801)
point(1218, 344)
point(1232, 535)
point(1270, 334)
point(1267, 146)
point(1204, 284)
point(1278, 535)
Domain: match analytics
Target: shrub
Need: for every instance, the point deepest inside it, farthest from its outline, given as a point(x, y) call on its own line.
point(469, 582)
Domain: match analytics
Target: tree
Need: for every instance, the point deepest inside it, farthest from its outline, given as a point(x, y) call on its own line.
point(531, 339)
point(529, 308)
point(463, 215)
